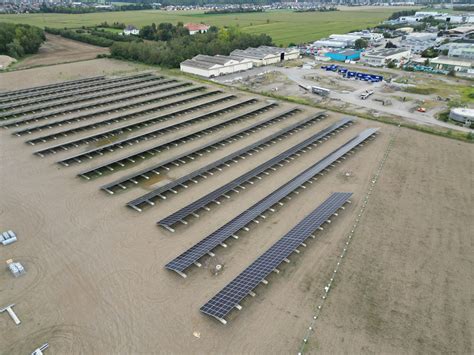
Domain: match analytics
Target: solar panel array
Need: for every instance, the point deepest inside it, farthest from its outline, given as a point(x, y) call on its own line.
point(146, 89)
point(206, 245)
point(149, 121)
point(104, 86)
point(191, 209)
point(138, 124)
point(219, 164)
point(161, 146)
point(140, 99)
point(124, 107)
point(229, 297)
point(190, 155)
point(68, 110)
point(40, 90)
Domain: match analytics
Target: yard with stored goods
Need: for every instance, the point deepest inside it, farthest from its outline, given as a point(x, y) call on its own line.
point(283, 26)
point(100, 277)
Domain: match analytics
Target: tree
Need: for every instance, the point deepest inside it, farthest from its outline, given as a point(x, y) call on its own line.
point(391, 64)
point(390, 45)
point(361, 43)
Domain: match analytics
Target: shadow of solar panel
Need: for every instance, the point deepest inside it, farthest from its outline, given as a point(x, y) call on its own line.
point(229, 297)
point(206, 245)
point(225, 161)
point(180, 215)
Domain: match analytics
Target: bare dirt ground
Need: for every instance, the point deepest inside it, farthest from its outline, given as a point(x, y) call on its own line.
point(96, 281)
point(58, 50)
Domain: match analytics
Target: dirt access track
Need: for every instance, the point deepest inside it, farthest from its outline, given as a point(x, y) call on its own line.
point(58, 50)
point(96, 282)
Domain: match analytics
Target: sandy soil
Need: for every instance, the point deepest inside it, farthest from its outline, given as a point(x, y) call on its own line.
point(58, 50)
point(96, 282)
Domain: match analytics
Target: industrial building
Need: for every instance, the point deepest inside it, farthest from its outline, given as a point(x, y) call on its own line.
point(463, 115)
point(459, 50)
point(457, 64)
point(265, 55)
point(417, 42)
point(381, 57)
point(344, 55)
point(213, 66)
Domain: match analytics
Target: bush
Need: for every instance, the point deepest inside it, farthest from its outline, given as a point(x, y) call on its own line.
point(17, 40)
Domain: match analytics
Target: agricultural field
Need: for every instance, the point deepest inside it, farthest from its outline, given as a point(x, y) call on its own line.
point(283, 26)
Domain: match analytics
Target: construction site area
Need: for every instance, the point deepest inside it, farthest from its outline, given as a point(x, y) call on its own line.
point(414, 98)
point(156, 214)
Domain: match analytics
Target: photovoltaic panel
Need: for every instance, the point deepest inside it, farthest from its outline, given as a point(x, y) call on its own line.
point(104, 86)
point(142, 175)
point(196, 205)
point(127, 106)
point(229, 297)
point(136, 124)
point(161, 146)
point(225, 161)
point(138, 137)
point(108, 109)
point(206, 245)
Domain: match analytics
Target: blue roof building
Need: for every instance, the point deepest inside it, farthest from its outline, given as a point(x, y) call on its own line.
point(342, 56)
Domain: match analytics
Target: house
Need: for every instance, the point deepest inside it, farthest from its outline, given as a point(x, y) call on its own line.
point(265, 55)
point(131, 30)
point(194, 28)
point(342, 56)
point(213, 66)
point(381, 57)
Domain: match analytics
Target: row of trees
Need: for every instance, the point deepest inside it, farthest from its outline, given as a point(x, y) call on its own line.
point(17, 40)
point(172, 52)
point(80, 35)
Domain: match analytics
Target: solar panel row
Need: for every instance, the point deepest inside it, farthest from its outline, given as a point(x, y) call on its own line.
point(151, 151)
point(143, 123)
point(31, 91)
point(149, 121)
point(143, 90)
point(166, 165)
point(229, 297)
point(206, 245)
point(69, 88)
point(120, 144)
point(176, 184)
point(106, 110)
point(103, 86)
point(227, 189)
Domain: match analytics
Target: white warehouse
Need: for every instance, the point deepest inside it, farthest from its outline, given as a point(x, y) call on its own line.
point(381, 57)
point(209, 67)
point(265, 55)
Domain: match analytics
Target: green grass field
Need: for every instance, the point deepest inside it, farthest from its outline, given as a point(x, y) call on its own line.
point(283, 26)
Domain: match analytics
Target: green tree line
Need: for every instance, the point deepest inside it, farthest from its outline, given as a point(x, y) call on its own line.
point(172, 52)
point(18, 40)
